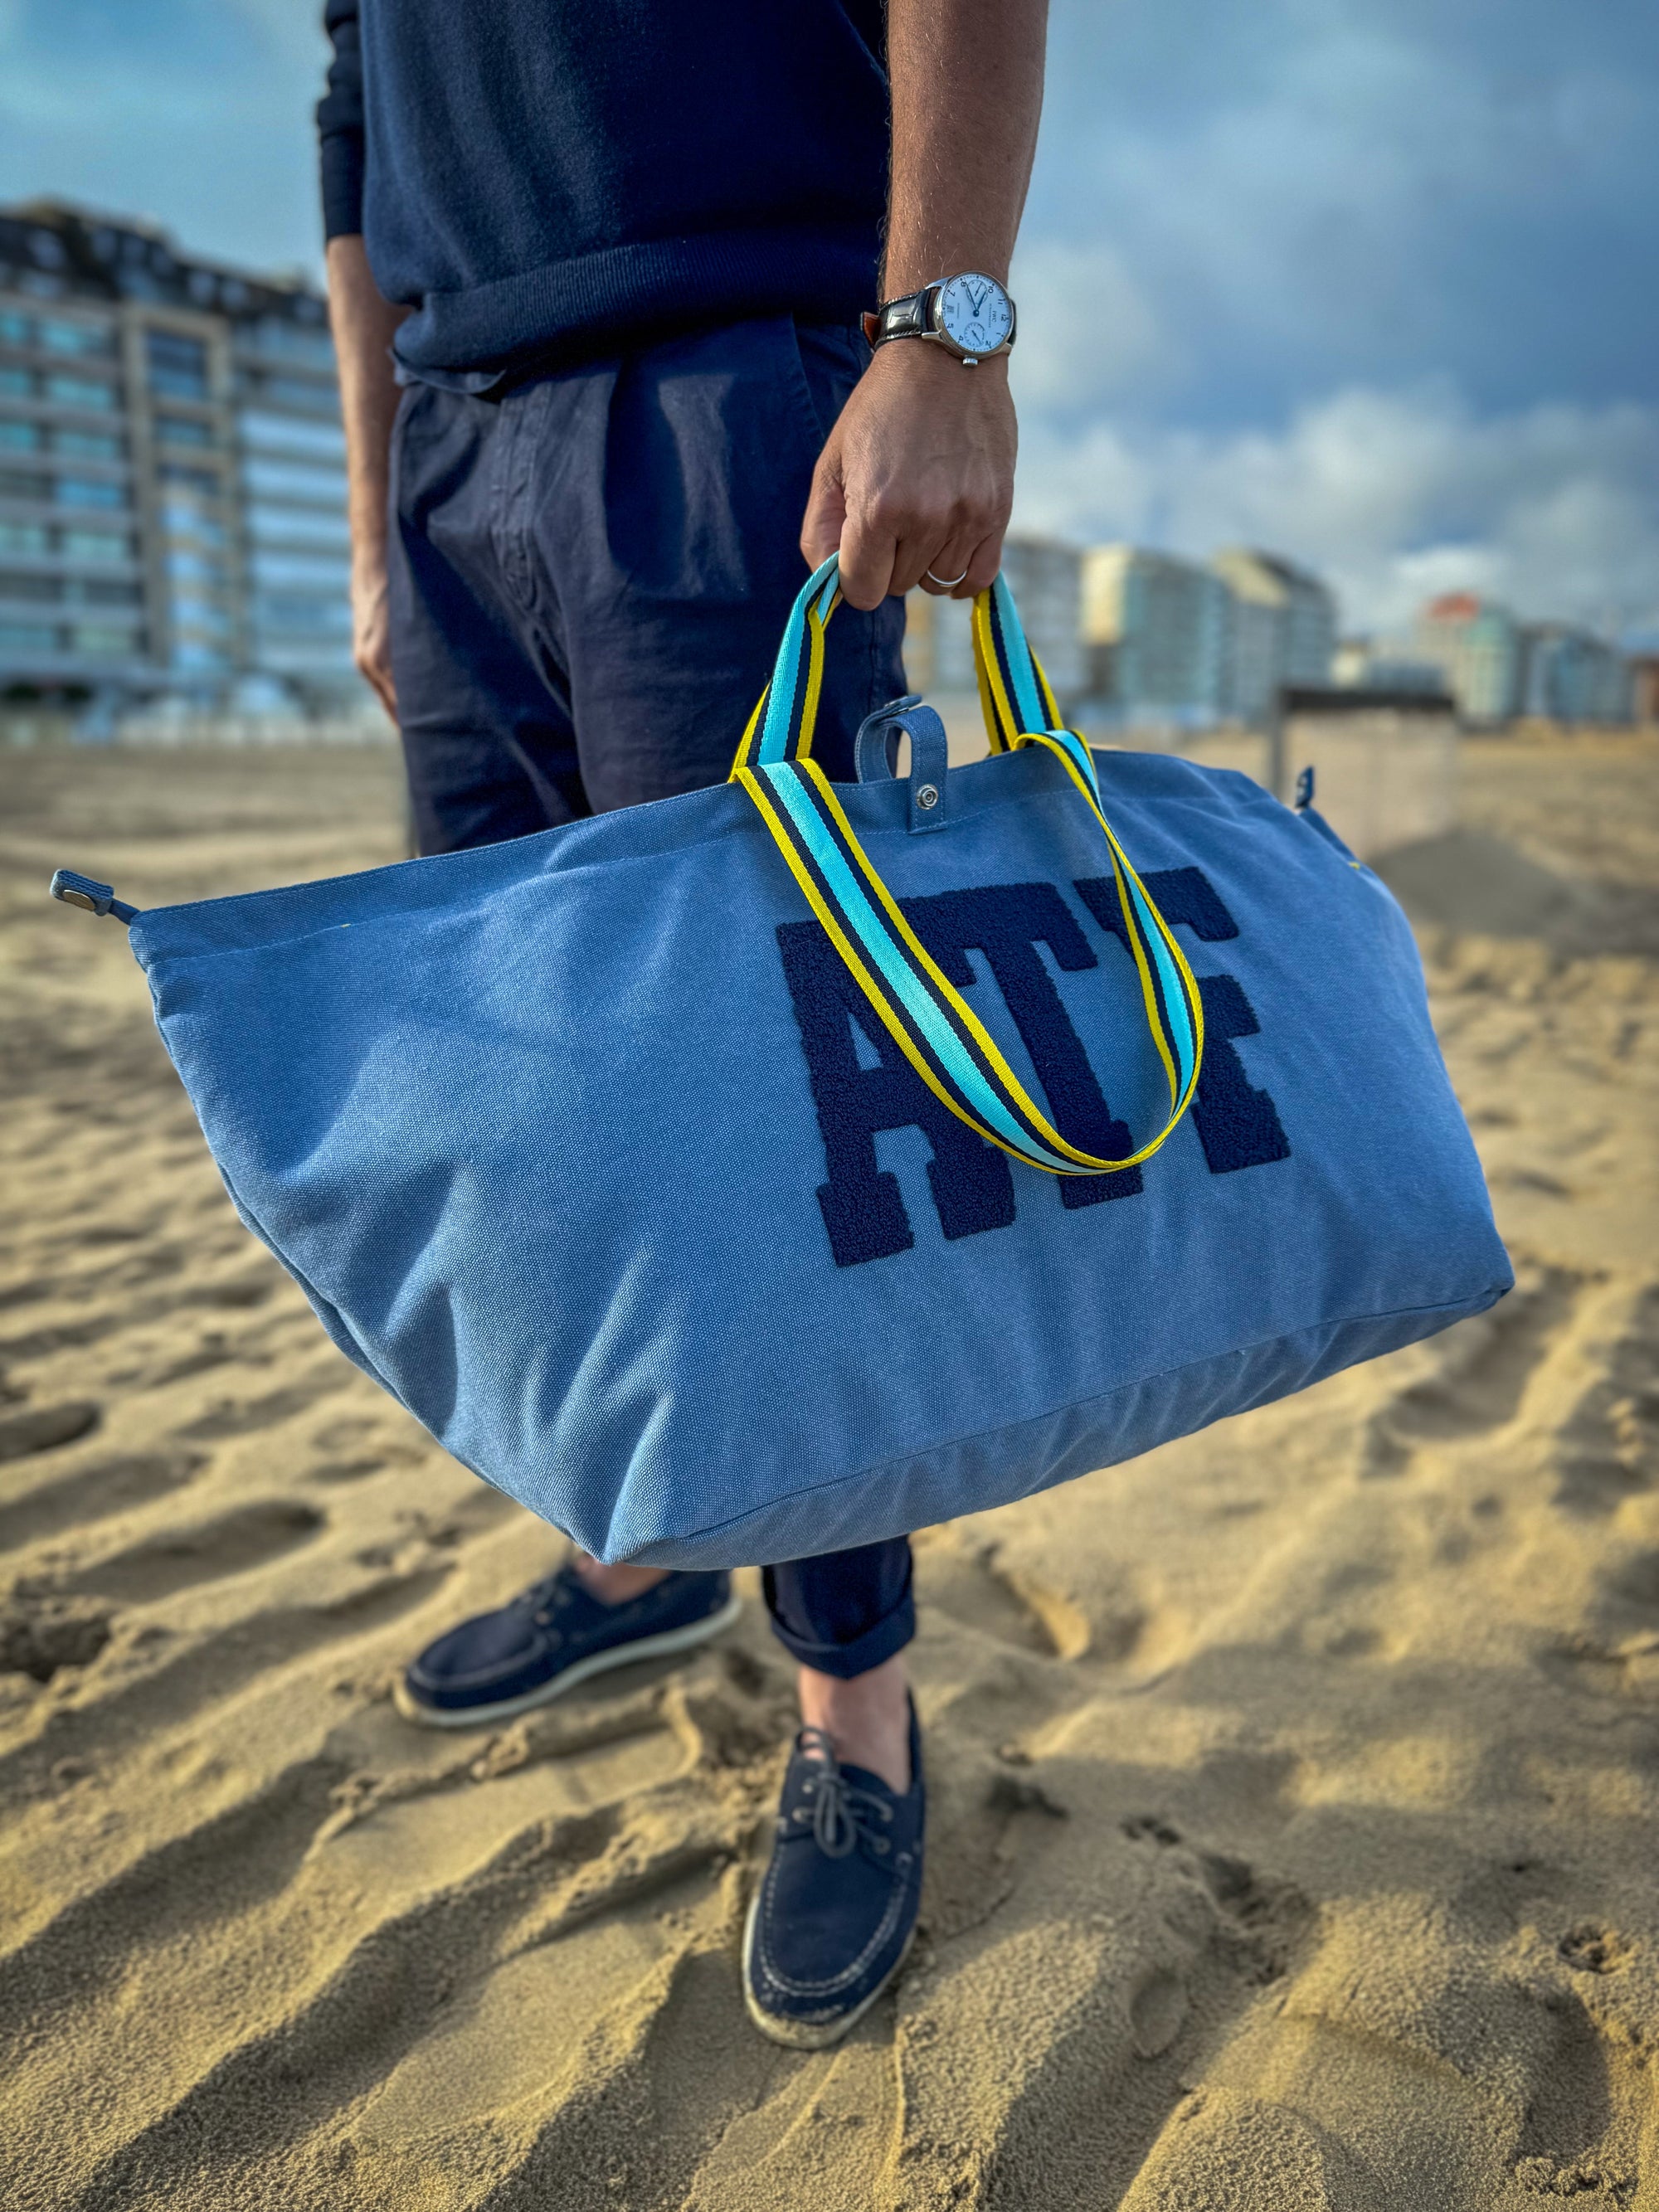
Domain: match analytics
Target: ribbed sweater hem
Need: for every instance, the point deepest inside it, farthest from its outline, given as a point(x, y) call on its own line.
point(823, 274)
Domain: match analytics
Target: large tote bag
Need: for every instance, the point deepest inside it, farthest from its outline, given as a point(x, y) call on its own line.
point(787, 1165)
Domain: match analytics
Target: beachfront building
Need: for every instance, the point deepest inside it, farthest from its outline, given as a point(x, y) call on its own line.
point(1046, 578)
point(1479, 647)
point(1570, 675)
point(1157, 631)
point(1281, 630)
point(172, 475)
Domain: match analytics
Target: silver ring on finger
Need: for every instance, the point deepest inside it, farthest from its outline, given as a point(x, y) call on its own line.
point(946, 583)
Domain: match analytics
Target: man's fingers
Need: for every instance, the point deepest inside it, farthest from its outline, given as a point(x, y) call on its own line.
point(825, 519)
point(946, 564)
point(866, 563)
point(982, 566)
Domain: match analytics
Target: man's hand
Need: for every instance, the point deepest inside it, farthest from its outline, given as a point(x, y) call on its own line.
point(371, 630)
point(918, 475)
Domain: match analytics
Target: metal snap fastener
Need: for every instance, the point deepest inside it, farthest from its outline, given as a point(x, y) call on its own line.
point(927, 796)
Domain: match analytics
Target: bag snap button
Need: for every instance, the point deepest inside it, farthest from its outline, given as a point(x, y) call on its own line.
point(926, 797)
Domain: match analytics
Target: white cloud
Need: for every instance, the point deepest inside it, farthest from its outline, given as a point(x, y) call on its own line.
point(1087, 331)
point(1392, 495)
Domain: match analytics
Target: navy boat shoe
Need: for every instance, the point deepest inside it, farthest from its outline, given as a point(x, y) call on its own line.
point(552, 1637)
point(831, 1921)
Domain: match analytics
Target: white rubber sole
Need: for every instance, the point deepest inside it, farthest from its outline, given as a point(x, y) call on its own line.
point(805, 2035)
point(619, 1654)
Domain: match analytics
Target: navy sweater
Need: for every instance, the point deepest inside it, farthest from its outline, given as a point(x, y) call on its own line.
point(538, 176)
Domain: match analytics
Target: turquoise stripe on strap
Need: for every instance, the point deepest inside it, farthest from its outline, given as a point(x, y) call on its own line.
point(1019, 655)
point(1180, 1031)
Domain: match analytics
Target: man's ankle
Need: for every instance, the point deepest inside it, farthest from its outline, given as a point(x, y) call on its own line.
point(866, 1718)
point(615, 1585)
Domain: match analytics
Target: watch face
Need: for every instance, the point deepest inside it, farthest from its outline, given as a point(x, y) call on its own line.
point(975, 313)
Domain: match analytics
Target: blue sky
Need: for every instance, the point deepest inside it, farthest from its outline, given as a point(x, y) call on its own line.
point(1373, 281)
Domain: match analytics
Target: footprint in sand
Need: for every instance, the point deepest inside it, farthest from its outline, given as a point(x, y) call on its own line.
point(43, 1428)
point(252, 1536)
point(93, 1493)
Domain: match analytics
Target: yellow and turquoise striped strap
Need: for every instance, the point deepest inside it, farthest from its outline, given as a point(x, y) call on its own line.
point(929, 1020)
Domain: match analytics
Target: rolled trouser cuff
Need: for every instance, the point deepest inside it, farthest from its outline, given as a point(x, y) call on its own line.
point(845, 1612)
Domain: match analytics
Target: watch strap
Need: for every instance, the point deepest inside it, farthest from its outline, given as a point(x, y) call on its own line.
point(903, 318)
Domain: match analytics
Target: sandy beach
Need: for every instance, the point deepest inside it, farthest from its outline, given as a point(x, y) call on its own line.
point(1294, 1790)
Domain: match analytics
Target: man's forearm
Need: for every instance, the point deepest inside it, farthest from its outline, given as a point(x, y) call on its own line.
point(915, 483)
point(967, 93)
point(364, 326)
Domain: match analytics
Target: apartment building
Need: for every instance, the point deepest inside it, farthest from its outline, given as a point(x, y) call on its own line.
point(172, 475)
point(1158, 632)
point(1479, 647)
point(1570, 675)
point(1282, 631)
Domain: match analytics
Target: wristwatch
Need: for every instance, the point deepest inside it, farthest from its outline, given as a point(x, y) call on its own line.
point(971, 316)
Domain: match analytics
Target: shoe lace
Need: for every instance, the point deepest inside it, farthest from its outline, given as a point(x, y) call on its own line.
point(842, 1812)
point(545, 1598)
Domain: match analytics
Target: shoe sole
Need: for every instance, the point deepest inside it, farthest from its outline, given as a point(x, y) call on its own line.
point(808, 2035)
point(583, 1670)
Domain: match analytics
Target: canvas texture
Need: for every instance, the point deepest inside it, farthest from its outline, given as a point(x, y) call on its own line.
point(587, 1148)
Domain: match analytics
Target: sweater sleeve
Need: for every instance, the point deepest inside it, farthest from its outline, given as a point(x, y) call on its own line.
point(340, 123)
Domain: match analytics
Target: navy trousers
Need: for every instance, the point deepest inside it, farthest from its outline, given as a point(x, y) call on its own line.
point(589, 572)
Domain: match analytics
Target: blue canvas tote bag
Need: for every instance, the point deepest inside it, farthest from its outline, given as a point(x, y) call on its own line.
point(787, 1165)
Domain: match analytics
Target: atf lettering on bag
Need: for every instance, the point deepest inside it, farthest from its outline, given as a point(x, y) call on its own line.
point(860, 1095)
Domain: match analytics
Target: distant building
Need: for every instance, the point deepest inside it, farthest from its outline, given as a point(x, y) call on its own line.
point(1045, 579)
point(1158, 631)
point(1644, 687)
point(1478, 644)
point(1282, 629)
point(1570, 675)
point(171, 473)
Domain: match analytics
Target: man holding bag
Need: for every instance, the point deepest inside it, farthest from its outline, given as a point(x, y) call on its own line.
point(596, 275)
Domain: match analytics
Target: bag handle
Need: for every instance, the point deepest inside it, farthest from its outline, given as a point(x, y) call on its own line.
point(929, 1020)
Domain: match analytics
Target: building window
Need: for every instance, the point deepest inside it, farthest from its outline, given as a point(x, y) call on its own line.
point(79, 391)
point(89, 445)
point(20, 437)
point(18, 484)
point(322, 571)
point(90, 545)
point(313, 617)
point(272, 335)
point(16, 383)
point(202, 482)
point(190, 612)
point(95, 592)
point(284, 439)
point(194, 567)
point(17, 585)
point(300, 527)
point(98, 642)
point(27, 637)
point(269, 390)
point(22, 537)
point(193, 658)
point(183, 430)
point(75, 337)
point(287, 480)
point(16, 330)
point(178, 364)
point(84, 491)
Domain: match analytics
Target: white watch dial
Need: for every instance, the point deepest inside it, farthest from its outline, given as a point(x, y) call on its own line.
point(975, 313)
